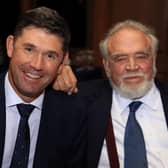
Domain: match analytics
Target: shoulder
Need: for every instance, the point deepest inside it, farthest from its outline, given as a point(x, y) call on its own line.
point(60, 101)
point(2, 79)
point(94, 90)
point(2, 74)
point(163, 89)
point(60, 96)
point(162, 86)
point(93, 86)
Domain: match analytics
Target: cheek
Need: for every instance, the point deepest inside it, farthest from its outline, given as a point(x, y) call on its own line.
point(19, 58)
point(148, 70)
point(116, 71)
point(51, 69)
point(15, 62)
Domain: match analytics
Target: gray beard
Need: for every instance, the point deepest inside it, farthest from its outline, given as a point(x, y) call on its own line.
point(135, 92)
point(131, 92)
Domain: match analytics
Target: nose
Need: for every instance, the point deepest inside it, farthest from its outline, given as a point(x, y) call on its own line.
point(37, 62)
point(132, 64)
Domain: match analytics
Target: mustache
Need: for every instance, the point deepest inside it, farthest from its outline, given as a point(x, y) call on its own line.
point(129, 75)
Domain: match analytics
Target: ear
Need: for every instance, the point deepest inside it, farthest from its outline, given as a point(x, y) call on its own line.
point(106, 67)
point(9, 45)
point(65, 59)
point(63, 63)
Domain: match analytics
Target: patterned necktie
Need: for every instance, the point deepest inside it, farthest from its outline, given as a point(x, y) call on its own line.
point(134, 145)
point(21, 151)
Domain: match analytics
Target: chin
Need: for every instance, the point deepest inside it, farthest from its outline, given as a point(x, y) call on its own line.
point(134, 91)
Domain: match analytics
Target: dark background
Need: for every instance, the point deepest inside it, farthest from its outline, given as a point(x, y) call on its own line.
point(9, 11)
point(74, 11)
point(89, 21)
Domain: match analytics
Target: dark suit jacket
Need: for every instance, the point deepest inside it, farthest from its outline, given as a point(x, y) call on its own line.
point(62, 133)
point(100, 96)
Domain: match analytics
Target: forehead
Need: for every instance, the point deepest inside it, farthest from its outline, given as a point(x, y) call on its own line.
point(128, 40)
point(40, 37)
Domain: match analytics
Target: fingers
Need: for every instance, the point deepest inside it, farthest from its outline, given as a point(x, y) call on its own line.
point(72, 90)
point(66, 81)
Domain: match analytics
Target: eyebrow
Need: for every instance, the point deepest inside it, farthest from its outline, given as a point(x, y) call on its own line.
point(123, 53)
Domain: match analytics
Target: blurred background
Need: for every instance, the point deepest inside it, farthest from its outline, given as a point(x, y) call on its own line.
point(89, 20)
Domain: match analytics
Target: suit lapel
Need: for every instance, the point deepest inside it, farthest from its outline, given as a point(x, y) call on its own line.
point(2, 117)
point(41, 152)
point(164, 96)
point(49, 121)
point(98, 121)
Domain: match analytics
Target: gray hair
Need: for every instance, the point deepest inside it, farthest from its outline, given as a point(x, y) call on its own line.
point(129, 24)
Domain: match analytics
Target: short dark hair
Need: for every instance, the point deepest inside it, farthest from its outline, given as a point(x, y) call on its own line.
point(45, 18)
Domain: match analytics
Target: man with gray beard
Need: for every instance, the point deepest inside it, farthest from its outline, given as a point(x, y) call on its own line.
point(129, 53)
point(129, 57)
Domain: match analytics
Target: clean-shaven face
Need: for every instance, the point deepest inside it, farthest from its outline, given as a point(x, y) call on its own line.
point(35, 58)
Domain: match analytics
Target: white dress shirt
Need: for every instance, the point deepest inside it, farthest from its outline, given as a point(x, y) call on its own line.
point(12, 123)
point(150, 116)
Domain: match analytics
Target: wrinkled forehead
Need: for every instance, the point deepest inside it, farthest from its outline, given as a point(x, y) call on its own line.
point(128, 39)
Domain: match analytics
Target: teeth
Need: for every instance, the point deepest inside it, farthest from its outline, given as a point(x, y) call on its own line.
point(34, 76)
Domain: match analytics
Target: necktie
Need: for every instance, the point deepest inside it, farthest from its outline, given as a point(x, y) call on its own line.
point(134, 145)
point(21, 151)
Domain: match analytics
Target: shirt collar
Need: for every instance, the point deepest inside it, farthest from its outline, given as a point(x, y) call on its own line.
point(12, 98)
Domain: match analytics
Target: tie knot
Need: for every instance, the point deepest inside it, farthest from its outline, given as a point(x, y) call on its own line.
point(134, 106)
point(25, 109)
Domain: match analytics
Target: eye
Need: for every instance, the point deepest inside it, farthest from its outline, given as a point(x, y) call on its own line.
point(51, 55)
point(119, 57)
point(28, 49)
point(142, 55)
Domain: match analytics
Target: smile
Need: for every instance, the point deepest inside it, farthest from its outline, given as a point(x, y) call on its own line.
point(33, 76)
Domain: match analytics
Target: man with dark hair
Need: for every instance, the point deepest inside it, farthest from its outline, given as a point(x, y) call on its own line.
point(39, 127)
